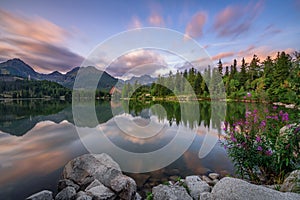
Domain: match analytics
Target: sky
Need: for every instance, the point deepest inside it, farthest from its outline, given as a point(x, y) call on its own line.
point(60, 35)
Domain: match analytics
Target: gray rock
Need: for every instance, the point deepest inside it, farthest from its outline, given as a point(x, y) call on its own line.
point(84, 169)
point(205, 196)
point(213, 176)
point(138, 196)
point(65, 183)
point(66, 194)
point(91, 167)
point(236, 189)
point(124, 186)
point(170, 192)
point(196, 186)
point(207, 180)
point(291, 183)
point(101, 192)
point(83, 196)
point(93, 184)
point(42, 195)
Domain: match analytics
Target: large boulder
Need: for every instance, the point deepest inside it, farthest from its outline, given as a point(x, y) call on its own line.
point(170, 192)
point(196, 186)
point(42, 195)
point(101, 192)
point(236, 189)
point(84, 169)
point(66, 194)
point(291, 183)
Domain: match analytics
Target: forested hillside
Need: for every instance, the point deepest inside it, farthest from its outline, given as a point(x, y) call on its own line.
point(269, 80)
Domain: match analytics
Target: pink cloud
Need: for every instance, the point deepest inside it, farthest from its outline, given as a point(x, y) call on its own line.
point(235, 20)
point(262, 52)
point(134, 62)
point(135, 23)
point(155, 19)
point(38, 42)
point(223, 55)
point(37, 28)
point(195, 27)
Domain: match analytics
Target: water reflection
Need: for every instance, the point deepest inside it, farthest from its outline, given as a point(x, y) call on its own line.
point(37, 138)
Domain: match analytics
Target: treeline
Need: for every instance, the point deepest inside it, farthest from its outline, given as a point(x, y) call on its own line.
point(33, 89)
point(270, 80)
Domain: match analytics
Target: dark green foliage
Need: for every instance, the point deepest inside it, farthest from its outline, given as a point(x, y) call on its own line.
point(33, 89)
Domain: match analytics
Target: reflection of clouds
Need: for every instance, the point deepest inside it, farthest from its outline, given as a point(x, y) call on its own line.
point(42, 150)
point(113, 132)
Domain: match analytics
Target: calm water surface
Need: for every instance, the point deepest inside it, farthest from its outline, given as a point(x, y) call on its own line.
point(37, 138)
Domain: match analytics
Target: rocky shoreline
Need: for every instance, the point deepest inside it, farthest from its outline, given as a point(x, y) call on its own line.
point(99, 177)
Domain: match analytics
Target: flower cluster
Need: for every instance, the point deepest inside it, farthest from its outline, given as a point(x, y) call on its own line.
point(255, 143)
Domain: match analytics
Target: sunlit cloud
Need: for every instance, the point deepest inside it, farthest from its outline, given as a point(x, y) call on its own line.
point(135, 23)
point(235, 20)
point(36, 41)
point(222, 55)
point(134, 62)
point(156, 19)
point(262, 52)
point(270, 31)
point(194, 28)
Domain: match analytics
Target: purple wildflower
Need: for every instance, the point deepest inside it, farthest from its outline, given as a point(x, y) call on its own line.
point(233, 139)
point(259, 148)
point(263, 123)
point(269, 152)
point(249, 94)
point(258, 139)
point(274, 107)
point(280, 113)
point(285, 117)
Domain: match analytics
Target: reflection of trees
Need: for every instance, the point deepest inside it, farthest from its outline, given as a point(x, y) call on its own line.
point(210, 113)
point(18, 117)
point(184, 113)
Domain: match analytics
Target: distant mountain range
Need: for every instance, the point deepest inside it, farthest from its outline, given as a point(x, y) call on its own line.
point(17, 68)
point(144, 80)
point(14, 69)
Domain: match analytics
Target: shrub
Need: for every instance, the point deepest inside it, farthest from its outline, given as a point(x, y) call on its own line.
point(259, 151)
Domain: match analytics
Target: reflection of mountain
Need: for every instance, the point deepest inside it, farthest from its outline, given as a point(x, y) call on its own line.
point(18, 117)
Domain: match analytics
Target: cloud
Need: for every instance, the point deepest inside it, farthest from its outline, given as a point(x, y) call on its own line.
point(235, 20)
point(222, 55)
point(135, 23)
point(270, 30)
point(262, 52)
point(38, 42)
point(136, 62)
point(195, 27)
point(156, 19)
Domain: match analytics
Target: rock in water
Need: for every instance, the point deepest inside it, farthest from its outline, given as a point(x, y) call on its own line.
point(196, 186)
point(291, 183)
point(83, 196)
point(67, 193)
point(101, 192)
point(213, 176)
point(84, 169)
point(65, 183)
point(42, 195)
point(167, 192)
point(236, 189)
